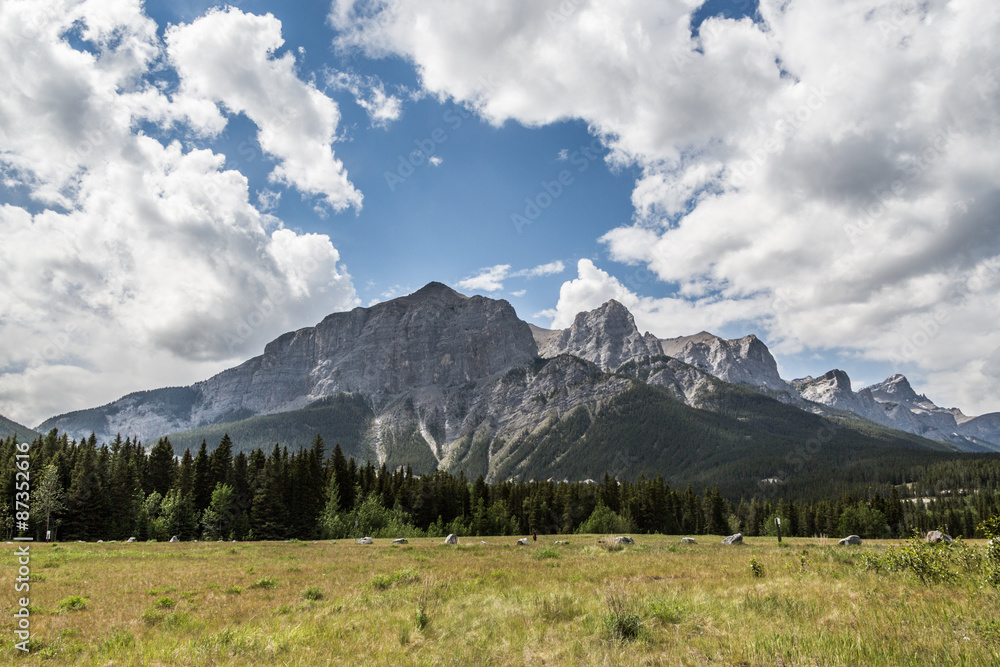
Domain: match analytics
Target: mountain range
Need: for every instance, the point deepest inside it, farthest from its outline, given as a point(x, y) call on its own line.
point(437, 379)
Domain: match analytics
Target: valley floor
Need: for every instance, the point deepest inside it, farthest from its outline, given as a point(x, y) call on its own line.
point(807, 601)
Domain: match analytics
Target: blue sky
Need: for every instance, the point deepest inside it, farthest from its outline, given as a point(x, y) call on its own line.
point(199, 179)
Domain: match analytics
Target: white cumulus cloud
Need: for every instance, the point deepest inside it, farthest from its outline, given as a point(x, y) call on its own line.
point(487, 280)
point(139, 263)
point(369, 93)
point(228, 57)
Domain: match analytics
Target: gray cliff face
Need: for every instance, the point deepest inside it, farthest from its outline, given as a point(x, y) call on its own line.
point(423, 345)
point(895, 389)
point(833, 389)
point(985, 429)
point(745, 361)
point(606, 336)
point(432, 339)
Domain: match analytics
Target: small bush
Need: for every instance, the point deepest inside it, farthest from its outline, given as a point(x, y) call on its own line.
point(176, 620)
point(756, 568)
point(622, 622)
point(233, 590)
point(608, 544)
point(546, 552)
point(165, 603)
point(312, 593)
point(73, 603)
point(381, 582)
point(117, 641)
point(670, 612)
point(152, 616)
point(265, 583)
point(930, 563)
point(421, 617)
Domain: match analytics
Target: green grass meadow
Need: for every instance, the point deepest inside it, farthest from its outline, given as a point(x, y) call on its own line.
point(803, 602)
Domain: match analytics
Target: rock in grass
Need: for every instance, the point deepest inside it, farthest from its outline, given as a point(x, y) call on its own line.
point(561, 542)
point(523, 542)
point(936, 536)
point(130, 540)
point(734, 539)
point(174, 539)
point(850, 540)
point(365, 540)
point(688, 540)
point(451, 539)
point(623, 539)
point(400, 540)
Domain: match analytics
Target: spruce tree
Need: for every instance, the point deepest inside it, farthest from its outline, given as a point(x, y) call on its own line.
point(160, 468)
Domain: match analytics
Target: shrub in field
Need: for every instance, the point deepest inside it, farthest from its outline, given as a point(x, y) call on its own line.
point(265, 583)
point(609, 543)
point(117, 641)
point(381, 582)
point(991, 529)
point(312, 593)
point(73, 603)
point(152, 616)
point(668, 611)
point(546, 552)
point(165, 603)
point(928, 562)
point(622, 622)
point(234, 590)
point(756, 568)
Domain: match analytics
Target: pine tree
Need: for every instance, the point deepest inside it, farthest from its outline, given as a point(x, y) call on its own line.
point(204, 482)
point(84, 501)
point(222, 462)
point(185, 474)
point(160, 468)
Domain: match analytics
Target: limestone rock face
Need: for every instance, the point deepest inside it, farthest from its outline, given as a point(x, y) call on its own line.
point(744, 360)
point(422, 345)
point(606, 336)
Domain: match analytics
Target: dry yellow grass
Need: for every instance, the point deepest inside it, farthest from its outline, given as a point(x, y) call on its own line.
point(496, 604)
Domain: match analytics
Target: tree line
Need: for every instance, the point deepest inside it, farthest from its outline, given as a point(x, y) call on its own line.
point(85, 491)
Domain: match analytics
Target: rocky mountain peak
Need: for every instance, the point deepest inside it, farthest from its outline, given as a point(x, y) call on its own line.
point(894, 389)
point(743, 360)
point(833, 388)
point(606, 336)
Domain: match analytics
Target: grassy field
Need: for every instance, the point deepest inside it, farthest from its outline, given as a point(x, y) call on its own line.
point(805, 602)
